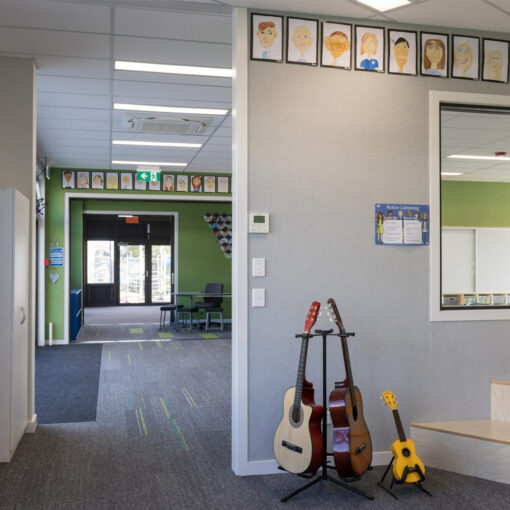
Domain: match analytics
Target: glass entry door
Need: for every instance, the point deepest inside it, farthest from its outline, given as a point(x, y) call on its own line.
point(161, 273)
point(132, 274)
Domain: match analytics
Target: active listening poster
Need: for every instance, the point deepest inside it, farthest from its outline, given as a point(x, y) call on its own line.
point(402, 224)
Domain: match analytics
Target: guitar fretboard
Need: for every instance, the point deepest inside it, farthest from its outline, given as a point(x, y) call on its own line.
point(398, 423)
point(301, 373)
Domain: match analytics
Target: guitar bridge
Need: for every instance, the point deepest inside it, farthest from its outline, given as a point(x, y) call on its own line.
point(360, 448)
point(292, 447)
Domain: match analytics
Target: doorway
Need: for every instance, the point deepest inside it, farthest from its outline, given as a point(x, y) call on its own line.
point(129, 260)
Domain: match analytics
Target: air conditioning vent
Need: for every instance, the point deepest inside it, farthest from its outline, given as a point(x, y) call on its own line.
point(165, 124)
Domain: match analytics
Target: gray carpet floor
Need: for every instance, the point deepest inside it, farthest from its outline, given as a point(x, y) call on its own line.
point(136, 332)
point(161, 440)
point(121, 314)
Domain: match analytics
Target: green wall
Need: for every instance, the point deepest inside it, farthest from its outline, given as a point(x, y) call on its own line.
point(475, 204)
point(200, 258)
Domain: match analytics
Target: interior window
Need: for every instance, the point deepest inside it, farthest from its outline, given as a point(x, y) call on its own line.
point(475, 207)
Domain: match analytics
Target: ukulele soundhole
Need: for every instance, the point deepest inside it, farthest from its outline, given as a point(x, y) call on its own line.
point(406, 452)
point(295, 416)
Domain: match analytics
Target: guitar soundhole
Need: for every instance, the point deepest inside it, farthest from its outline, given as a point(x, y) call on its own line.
point(406, 452)
point(355, 413)
point(296, 416)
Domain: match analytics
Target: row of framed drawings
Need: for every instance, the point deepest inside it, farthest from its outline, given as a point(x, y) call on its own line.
point(78, 179)
point(367, 45)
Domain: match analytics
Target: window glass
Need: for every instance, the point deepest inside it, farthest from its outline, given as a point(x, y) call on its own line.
point(100, 262)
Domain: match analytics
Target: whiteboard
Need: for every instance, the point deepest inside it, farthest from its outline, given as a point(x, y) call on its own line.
point(458, 260)
point(493, 260)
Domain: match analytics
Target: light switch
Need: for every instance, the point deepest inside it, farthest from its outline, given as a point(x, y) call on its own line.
point(259, 267)
point(258, 297)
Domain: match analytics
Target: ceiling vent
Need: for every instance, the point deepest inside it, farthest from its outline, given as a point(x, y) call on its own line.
point(165, 124)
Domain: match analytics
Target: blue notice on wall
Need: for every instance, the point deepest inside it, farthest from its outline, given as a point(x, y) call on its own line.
point(56, 256)
point(402, 224)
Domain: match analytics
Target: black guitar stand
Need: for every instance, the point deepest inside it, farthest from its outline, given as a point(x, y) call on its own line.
point(407, 471)
point(323, 475)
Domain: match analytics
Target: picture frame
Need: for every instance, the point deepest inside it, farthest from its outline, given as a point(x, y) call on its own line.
point(266, 37)
point(223, 184)
point(465, 62)
point(402, 52)
point(302, 41)
point(336, 45)
point(112, 180)
point(369, 48)
point(140, 185)
point(209, 184)
point(126, 180)
point(196, 183)
point(168, 181)
point(68, 179)
point(495, 67)
point(154, 185)
point(82, 180)
point(182, 183)
point(97, 180)
point(436, 46)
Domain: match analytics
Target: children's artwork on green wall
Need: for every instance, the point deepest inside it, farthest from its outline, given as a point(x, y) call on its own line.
point(221, 226)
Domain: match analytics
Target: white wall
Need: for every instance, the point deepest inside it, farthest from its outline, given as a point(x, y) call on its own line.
point(17, 163)
point(324, 147)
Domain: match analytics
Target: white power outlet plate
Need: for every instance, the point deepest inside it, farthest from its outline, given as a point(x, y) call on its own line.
point(259, 267)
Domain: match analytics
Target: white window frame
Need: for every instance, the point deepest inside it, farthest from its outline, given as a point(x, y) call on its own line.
point(436, 98)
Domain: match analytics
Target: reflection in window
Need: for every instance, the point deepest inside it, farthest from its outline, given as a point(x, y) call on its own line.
point(100, 262)
point(475, 207)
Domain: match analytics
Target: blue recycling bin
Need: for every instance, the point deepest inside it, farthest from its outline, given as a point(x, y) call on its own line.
point(75, 311)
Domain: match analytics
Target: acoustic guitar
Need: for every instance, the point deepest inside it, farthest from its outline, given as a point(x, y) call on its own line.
point(352, 446)
point(407, 466)
point(298, 445)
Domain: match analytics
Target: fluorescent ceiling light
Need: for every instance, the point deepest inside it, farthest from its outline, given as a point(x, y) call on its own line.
point(156, 144)
point(220, 72)
point(384, 5)
point(452, 173)
point(146, 163)
point(168, 109)
point(125, 216)
point(488, 158)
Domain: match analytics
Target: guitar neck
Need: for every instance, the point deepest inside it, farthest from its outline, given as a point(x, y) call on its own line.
point(348, 371)
point(301, 371)
point(398, 424)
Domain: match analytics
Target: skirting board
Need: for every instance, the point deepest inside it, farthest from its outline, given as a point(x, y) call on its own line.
point(31, 425)
point(464, 455)
point(270, 466)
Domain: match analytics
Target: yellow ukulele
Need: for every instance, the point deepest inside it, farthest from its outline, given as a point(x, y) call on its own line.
point(407, 466)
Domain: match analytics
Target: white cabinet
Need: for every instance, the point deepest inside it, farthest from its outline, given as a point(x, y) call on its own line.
point(14, 281)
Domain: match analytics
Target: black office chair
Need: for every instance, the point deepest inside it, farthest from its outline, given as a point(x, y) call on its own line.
point(211, 304)
point(162, 314)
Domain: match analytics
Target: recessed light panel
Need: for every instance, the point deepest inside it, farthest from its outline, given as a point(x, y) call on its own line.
point(384, 5)
point(485, 158)
point(168, 109)
point(156, 144)
point(146, 163)
point(219, 72)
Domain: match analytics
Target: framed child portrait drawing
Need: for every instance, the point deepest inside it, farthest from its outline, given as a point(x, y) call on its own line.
point(126, 180)
point(67, 179)
point(369, 48)
point(434, 55)
point(466, 57)
point(336, 45)
point(302, 47)
point(267, 37)
point(495, 60)
point(97, 180)
point(402, 52)
point(83, 180)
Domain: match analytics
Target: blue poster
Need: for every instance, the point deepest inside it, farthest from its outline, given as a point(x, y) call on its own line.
point(56, 256)
point(402, 224)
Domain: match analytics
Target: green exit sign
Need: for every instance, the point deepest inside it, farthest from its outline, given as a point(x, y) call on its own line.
point(148, 176)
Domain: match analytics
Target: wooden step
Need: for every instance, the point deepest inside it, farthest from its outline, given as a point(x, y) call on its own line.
point(500, 400)
point(472, 447)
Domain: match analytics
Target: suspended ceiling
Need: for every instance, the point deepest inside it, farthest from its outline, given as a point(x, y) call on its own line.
point(75, 43)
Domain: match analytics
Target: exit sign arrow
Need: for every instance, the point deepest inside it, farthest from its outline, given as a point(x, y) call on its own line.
point(146, 175)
